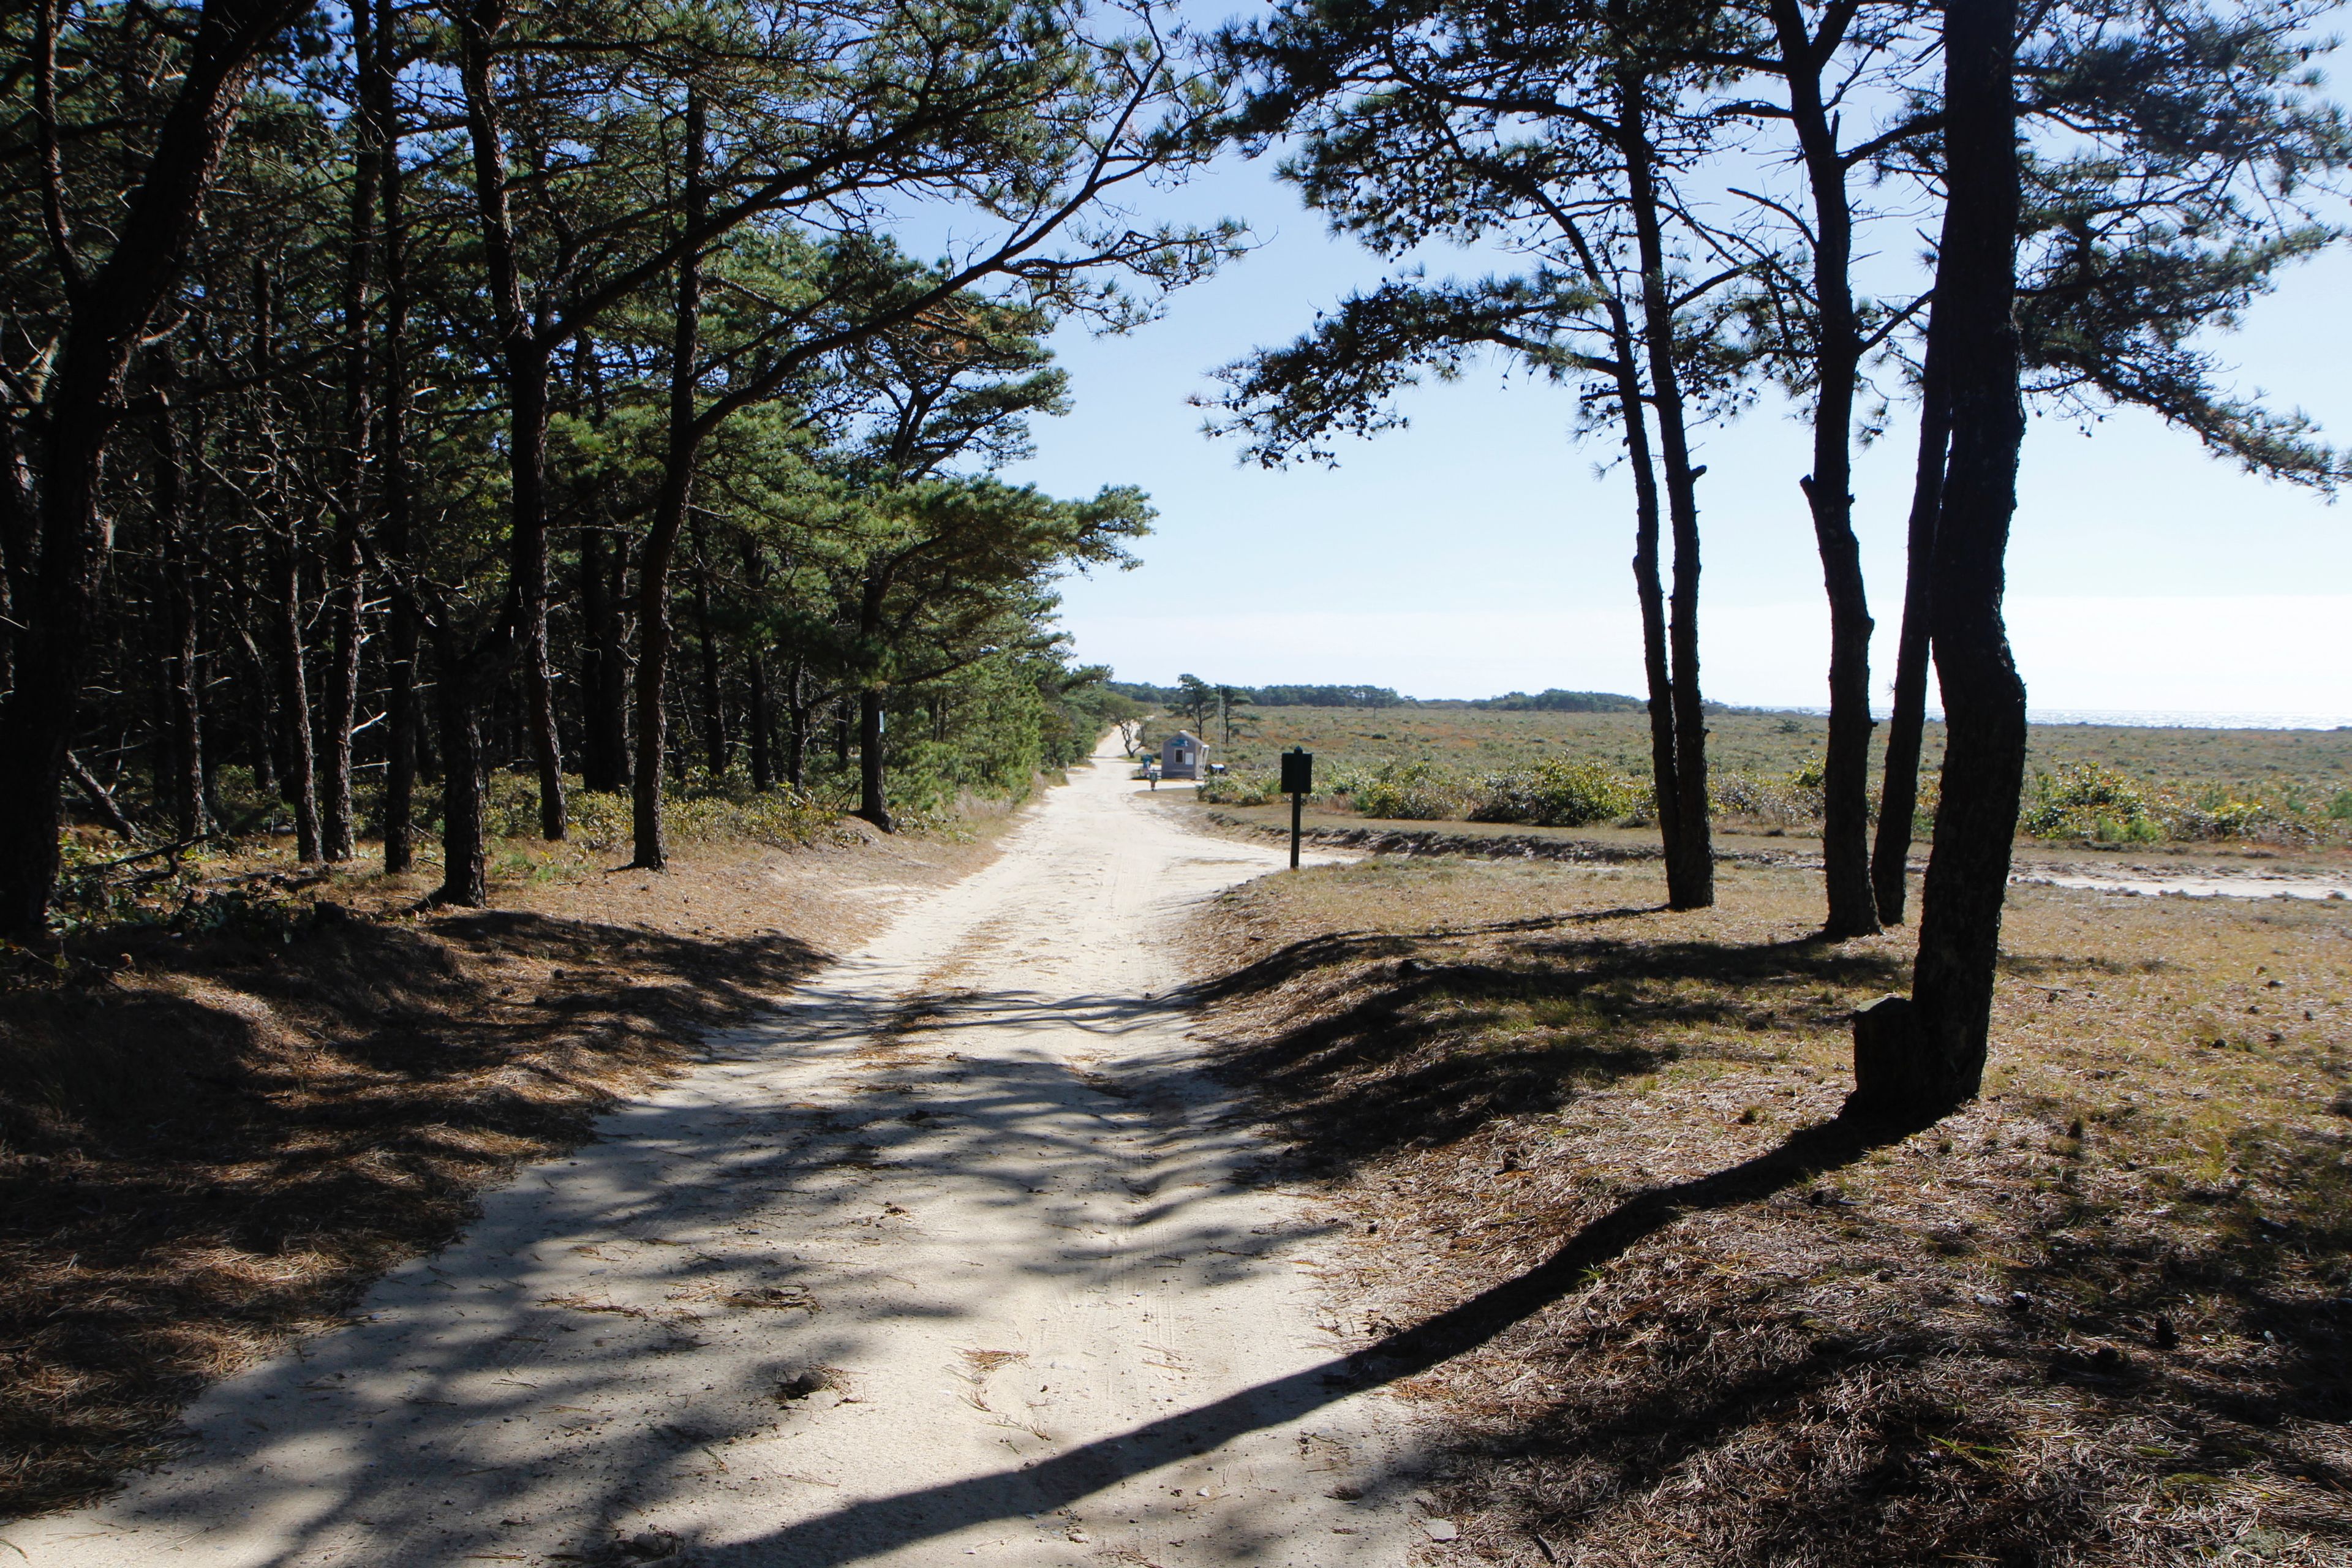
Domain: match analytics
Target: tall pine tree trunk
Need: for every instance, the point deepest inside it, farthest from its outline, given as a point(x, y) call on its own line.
point(1837, 357)
point(1925, 1058)
point(675, 495)
point(346, 579)
point(1650, 590)
point(520, 627)
point(299, 782)
point(1691, 884)
point(403, 632)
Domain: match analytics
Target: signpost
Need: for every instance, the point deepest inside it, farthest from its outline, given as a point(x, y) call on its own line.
point(1297, 783)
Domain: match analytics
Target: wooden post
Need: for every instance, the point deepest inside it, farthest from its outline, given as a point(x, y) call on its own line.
point(1298, 783)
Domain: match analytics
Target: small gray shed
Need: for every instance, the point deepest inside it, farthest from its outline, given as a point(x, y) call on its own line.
point(1181, 756)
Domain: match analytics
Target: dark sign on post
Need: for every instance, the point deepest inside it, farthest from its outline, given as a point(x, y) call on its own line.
point(1297, 783)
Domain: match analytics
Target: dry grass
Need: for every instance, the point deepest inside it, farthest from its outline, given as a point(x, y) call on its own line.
point(2275, 786)
point(2317, 762)
point(2101, 1316)
point(215, 1139)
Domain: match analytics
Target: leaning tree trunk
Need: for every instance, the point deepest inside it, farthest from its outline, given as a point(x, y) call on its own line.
point(523, 354)
point(107, 313)
point(1927, 1058)
point(1899, 799)
point(1664, 788)
point(1845, 770)
point(1691, 884)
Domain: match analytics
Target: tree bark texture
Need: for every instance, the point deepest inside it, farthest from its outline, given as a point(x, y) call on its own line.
point(466, 676)
point(1975, 330)
point(1837, 357)
point(1693, 886)
point(346, 582)
point(675, 495)
point(403, 629)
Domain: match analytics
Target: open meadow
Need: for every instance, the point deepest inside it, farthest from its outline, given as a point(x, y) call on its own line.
point(2276, 787)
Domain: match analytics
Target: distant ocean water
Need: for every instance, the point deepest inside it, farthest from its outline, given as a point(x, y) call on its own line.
point(2163, 719)
point(2159, 719)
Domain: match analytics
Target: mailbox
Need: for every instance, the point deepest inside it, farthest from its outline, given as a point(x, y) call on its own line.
point(1297, 773)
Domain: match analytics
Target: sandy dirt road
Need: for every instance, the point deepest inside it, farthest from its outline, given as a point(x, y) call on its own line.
point(943, 1264)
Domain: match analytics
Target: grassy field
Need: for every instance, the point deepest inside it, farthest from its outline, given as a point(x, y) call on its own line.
point(2292, 776)
point(2099, 1316)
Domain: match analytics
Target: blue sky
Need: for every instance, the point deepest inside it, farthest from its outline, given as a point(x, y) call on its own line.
point(1478, 551)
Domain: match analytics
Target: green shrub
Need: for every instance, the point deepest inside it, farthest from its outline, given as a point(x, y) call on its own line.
point(2216, 814)
point(1247, 787)
point(1786, 800)
point(1410, 792)
point(2340, 808)
point(2084, 800)
point(1555, 794)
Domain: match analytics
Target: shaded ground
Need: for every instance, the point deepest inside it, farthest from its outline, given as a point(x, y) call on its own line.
point(217, 1135)
point(1585, 1148)
point(943, 1259)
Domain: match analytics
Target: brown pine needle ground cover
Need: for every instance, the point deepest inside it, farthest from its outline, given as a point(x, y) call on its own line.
point(2102, 1316)
point(215, 1140)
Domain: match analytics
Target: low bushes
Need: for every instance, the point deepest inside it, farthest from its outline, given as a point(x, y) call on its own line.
point(1412, 792)
point(1793, 799)
point(1248, 787)
point(1557, 794)
point(2083, 800)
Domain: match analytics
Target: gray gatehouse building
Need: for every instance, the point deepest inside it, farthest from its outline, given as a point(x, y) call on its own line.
point(1182, 756)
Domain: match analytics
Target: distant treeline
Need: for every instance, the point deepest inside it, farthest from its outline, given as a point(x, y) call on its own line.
point(1552, 701)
